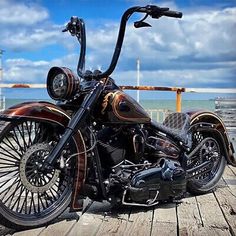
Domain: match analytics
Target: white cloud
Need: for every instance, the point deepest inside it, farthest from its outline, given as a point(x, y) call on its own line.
point(176, 78)
point(198, 50)
point(31, 39)
point(26, 27)
point(15, 13)
point(27, 71)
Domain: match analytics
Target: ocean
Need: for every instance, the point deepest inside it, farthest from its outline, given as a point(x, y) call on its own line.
point(148, 99)
point(146, 103)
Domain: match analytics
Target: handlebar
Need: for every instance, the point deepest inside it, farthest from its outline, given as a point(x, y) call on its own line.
point(157, 12)
point(175, 14)
point(77, 28)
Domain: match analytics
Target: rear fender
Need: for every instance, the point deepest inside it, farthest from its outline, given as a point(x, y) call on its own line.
point(212, 118)
point(48, 112)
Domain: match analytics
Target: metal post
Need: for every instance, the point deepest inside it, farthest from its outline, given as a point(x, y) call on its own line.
point(178, 100)
point(1, 71)
point(2, 99)
point(138, 77)
point(1, 52)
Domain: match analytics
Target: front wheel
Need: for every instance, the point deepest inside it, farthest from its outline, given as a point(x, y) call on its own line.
point(210, 150)
point(29, 195)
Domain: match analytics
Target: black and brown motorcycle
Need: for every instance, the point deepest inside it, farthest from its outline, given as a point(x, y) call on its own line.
point(98, 142)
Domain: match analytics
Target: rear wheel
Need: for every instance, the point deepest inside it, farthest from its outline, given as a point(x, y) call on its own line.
point(210, 150)
point(29, 195)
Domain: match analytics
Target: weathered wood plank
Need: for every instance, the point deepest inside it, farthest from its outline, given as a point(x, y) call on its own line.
point(212, 217)
point(114, 223)
point(189, 219)
point(164, 220)
point(32, 232)
point(140, 222)
point(230, 179)
point(233, 169)
point(227, 202)
point(59, 228)
point(90, 222)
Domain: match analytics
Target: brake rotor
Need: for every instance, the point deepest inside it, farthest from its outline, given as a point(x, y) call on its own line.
point(33, 176)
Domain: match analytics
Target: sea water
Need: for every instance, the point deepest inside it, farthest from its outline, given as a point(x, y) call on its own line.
point(148, 99)
point(146, 103)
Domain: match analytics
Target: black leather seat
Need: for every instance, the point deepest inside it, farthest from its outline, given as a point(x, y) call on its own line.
point(177, 126)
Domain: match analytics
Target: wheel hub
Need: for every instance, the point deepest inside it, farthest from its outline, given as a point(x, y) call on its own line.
point(210, 150)
point(33, 176)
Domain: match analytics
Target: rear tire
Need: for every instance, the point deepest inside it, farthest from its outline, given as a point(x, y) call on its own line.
point(210, 150)
point(30, 196)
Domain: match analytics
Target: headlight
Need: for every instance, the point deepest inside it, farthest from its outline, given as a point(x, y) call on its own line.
point(62, 84)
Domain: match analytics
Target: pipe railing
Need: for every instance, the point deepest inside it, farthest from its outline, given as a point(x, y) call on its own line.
point(177, 90)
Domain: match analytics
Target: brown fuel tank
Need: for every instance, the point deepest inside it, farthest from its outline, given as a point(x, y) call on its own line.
point(118, 107)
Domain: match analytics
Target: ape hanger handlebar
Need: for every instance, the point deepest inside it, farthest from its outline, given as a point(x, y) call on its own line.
point(76, 27)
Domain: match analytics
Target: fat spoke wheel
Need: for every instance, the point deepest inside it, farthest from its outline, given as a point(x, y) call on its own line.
point(210, 150)
point(32, 175)
point(29, 194)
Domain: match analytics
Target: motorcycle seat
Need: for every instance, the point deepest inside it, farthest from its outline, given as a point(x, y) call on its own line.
point(177, 126)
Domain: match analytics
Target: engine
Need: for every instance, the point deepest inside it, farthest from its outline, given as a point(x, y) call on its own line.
point(134, 144)
point(139, 168)
point(145, 184)
point(148, 187)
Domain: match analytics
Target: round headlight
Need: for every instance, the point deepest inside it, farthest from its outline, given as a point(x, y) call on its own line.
point(62, 84)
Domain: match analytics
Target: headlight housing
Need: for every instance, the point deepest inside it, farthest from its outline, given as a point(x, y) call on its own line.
point(62, 84)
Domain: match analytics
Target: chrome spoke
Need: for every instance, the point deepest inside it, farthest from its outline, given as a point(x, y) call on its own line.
point(26, 190)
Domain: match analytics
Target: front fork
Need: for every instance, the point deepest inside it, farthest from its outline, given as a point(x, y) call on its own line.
point(74, 124)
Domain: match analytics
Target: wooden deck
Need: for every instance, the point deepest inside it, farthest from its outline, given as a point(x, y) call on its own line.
point(210, 214)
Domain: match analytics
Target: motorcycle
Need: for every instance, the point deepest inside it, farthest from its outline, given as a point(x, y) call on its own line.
point(98, 142)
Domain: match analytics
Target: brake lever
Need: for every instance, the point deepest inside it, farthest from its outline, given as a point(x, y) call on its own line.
point(64, 30)
point(142, 23)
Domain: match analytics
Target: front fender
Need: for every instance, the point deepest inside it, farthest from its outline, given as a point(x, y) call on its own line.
point(48, 112)
point(198, 116)
point(38, 111)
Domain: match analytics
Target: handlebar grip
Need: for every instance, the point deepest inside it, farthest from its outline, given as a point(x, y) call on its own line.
point(175, 14)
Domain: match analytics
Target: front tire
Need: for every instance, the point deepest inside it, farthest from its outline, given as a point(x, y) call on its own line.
point(29, 196)
point(212, 150)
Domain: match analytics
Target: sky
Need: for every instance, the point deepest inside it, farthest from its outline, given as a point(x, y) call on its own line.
point(195, 51)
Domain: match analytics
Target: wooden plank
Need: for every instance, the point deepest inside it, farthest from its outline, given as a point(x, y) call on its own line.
point(230, 179)
point(89, 223)
point(233, 169)
point(140, 222)
point(189, 219)
point(227, 202)
point(114, 223)
point(32, 232)
point(212, 217)
point(164, 220)
point(59, 228)
point(226, 197)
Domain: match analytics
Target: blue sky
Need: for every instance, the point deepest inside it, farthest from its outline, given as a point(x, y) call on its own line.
point(195, 51)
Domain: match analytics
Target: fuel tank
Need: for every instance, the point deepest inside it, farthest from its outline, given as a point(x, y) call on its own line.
point(118, 107)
